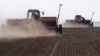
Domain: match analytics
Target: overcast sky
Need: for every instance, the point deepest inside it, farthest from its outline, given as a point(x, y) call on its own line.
point(70, 8)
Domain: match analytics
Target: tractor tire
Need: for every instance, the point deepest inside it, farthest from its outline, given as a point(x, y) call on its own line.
point(60, 28)
point(91, 24)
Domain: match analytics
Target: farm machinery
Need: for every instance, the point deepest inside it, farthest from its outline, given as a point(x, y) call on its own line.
point(81, 19)
point(50, 22)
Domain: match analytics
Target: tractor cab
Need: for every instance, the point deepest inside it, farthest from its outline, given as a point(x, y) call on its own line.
point(34, 13)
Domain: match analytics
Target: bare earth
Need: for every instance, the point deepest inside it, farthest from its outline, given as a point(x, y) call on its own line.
point(33, 39)
point(74, 42)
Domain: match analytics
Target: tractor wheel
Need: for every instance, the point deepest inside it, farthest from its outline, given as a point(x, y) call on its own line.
point(91, 24)
point(60, 28)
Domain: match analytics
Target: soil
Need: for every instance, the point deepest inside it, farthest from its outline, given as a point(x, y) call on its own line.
point(73, 42)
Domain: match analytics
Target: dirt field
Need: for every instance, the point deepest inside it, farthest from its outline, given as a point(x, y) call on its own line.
point(74, 42)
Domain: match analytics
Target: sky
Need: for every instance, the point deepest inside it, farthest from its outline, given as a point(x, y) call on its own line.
point(70, 8)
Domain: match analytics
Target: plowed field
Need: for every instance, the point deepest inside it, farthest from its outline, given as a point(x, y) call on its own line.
point(73, 42)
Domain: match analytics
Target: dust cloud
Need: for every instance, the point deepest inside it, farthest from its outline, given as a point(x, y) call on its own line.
point(26, 28)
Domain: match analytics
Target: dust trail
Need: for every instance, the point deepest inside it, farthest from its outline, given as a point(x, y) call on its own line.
point(26, 28)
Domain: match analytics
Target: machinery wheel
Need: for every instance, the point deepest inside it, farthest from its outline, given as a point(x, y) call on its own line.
point(91, 24)
point(60, 28)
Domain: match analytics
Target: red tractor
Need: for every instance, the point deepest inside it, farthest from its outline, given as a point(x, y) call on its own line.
point(50, 22)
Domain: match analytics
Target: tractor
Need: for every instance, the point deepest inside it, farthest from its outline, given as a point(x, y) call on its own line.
point(81, 19)
point(51, 23)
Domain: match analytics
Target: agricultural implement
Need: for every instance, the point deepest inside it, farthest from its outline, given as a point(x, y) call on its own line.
point(80, 19)
point(51, 23)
